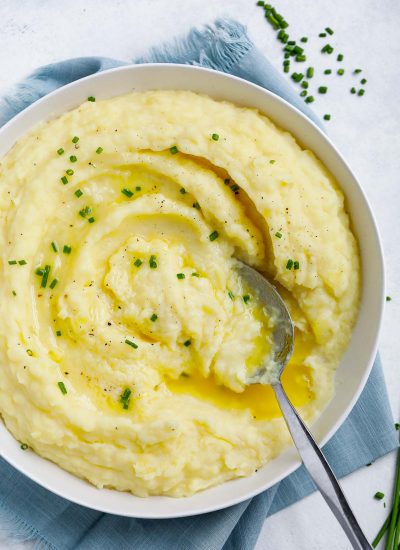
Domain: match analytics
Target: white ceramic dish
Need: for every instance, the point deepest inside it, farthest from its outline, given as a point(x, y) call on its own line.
point(357, 362)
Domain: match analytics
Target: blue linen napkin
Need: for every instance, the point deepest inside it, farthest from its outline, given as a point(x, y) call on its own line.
point(27, 511)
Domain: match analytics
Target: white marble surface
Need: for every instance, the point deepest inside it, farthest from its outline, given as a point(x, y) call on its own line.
point(365, 129)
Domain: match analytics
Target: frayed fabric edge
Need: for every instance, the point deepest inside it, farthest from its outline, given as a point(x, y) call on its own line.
point(219, 44)
point(18, 530)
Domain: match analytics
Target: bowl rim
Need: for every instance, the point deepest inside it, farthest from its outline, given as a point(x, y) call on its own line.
point(379, 259)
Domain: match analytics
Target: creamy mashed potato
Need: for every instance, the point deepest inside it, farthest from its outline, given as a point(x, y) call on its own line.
point(126, 334)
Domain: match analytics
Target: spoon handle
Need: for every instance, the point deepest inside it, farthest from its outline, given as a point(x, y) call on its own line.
point(320, 471)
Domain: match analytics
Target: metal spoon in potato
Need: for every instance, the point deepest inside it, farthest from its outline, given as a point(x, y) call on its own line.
point(311, 455)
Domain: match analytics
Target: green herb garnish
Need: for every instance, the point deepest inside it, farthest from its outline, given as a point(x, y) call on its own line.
point(361, 92)
point(23, 446)
point(60, 151)
point(215, 137)
point(246, 298)
point(309, 99)
point(187, 343)
point(231, 295)
point(154, 317)
point(278, 235)
point(91, 98)
point(54, 246)
point(327, 49)
point(130, 343)
point(327, 117)
point(75, 139)
point(99, 150)
point(91, 220)
point(329, 30)
point(180, 276)
point(69, 172)
point(310, 72)
point(153, 262)
point(296, 265)
point(64, 179)
point(58, 332)
point(388, 299)
point(214, 235)
point(137, 263)
point(78, 193)
point(194, 274)
point(328, 71)
point(73, 158)
point(45, 276)
point(125, 398)
point(379, 496)
point(53, 283)
point(297, 76)
point(173, 150)
point(29, 352)
point(340, 57)
point(196, 205)
point(62, 387)
point(12, 262)
point(183, 191)
point(322, 89)
point(340, 72)
point(289, 264)
point(127, 192)
point(22, 262)
point(67, 249)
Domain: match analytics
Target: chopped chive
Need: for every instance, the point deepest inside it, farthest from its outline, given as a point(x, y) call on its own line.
point(73, 158)
point(286, 68)
point(353, 90)
point(91, 219)
point(138, 188)
point(322, 35)
point(388, 299)
point(125, 398)
point(180, 276)
point(286, 62)
point(231, 295)
point(130, 343)
point(196, 205)
point(272, 161)
point(60, 151)
point(310, 72)
point(153, 262)
point(340, 72)
point(99, 150)
point(137, 262)
point(187, 343)
point(69, 172)
point(154, 317)
point(39, 271)
point(75, 139)
point(361, 92)
point(214, 235)
point(309, 99)
point(304, 39)
point(78, 193)
point(91, 98)
point(340, 57)
point(64, 179)
point(329, 30)
point(379, 496)
point(14, 293)
point(53, 283)
point(327, 117)
point(297, 50)
point(297, 76)
point(215, 137)
point(173, 150)
point(327, 49)
point(23, 446)
point(67, 249)
point(85, 211)
point(397, 426)
point(12, 262)
point(304, 84)
point(127, 192)
point(303, 93)
point(183, 191)
point(29, 352)
point(22, 262)
point(194, 274)
point(300, 58)
point(45, 276)
point(246, 298)
point(235, 188)
point(357, 71)
point(289, 264)
point(328, 71)
point(278, 235)
point(363, 81)
point(296, 265)
point(58, 332)
point(62, 387)
point(322, 89)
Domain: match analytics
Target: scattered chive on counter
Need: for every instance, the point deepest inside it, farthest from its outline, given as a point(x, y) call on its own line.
point(340, 72)
point(379, 496)
point(23, 446)
point(91, 98)
point(328, 71)
point(322, 89)
point(388, 299)
point(327, 117)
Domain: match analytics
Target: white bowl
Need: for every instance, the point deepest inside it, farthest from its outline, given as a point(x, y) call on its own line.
point(357, 362)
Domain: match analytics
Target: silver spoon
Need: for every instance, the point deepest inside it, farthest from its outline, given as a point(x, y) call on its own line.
point(311, 455)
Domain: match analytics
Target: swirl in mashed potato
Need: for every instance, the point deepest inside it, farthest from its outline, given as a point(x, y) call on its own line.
point(126, 333)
